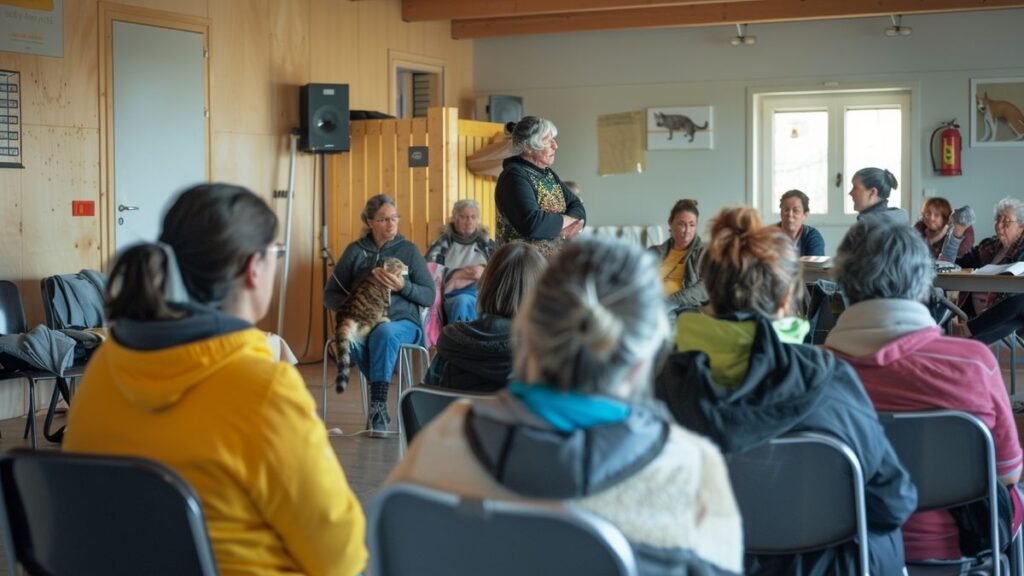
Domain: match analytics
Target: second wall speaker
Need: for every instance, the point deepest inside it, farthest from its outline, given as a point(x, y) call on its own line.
point(504, 109)
point(323, 110)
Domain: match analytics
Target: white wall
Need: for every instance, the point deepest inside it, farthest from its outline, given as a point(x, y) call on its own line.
point(573, 78)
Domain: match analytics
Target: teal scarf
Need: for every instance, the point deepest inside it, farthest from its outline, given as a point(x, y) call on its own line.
point(568, 411)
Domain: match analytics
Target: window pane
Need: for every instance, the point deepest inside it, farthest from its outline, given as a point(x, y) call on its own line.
point(873, 137)
point(800, 157)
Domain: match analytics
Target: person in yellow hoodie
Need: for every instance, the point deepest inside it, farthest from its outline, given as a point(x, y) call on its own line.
point(186, 380)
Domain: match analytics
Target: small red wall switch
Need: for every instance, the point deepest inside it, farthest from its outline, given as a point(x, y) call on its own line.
point(83, 208)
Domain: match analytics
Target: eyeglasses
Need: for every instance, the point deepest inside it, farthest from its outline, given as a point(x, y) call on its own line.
point(386, 219)
point(1005, 221)
point(276, 249)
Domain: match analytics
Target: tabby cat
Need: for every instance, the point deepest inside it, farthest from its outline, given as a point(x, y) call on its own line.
point(366, 306)
point(678, 122)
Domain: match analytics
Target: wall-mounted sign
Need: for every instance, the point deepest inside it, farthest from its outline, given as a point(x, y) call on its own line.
point(32, 27)
point(10, 119)
point(419, 157)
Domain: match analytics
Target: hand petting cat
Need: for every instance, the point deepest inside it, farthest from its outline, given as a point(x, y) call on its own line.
point(393, 282)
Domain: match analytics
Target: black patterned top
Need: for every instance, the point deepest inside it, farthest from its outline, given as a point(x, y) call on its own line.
point(531, 202)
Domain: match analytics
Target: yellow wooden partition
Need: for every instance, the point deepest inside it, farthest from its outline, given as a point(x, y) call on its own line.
point(378, 163)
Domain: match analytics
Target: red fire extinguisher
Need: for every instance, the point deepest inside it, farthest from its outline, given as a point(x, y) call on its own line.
point(948, 163)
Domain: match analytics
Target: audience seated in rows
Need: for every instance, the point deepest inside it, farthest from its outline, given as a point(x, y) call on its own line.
point(476, 356)
point(680, 258)
point(463, 248)
point(185, 379)
point(741, 377)
point(377, 355)
point(905, 362)
point(576, 424)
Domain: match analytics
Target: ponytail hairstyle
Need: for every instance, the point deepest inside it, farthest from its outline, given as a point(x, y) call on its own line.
point(594, 314)
point(878, 178)
point(748, 267)
point(211, 231)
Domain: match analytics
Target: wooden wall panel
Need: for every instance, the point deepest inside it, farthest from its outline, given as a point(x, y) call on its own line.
point(240, 66)
point(403, 175)
point(417, 207)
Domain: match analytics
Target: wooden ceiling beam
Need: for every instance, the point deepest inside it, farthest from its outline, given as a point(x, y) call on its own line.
point(429, 10)
point(718, 13)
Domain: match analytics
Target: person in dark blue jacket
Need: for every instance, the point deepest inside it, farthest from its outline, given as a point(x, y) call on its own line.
point(794, 206)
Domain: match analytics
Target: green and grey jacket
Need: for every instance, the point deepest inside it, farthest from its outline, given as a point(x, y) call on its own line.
point(692, 293)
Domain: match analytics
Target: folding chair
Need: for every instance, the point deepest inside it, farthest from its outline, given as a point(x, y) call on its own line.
point(417, 530)
point(952, 460)
point(413, 359)
point(420, 404)
point(12, 321)
point(77, 514)
point(800, 492)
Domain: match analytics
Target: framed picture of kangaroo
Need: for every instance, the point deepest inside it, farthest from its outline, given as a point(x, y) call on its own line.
point(996, 112)
point(679, 128)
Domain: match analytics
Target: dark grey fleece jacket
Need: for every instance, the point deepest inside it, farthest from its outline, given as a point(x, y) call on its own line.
point(363, 255)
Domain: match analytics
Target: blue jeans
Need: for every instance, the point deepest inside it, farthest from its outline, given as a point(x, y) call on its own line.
point(377, 356)
point(460, 305)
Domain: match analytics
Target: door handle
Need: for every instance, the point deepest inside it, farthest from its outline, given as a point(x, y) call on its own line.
point(126, 208)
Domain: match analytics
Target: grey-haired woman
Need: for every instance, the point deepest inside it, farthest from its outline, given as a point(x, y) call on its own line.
point(534, 205)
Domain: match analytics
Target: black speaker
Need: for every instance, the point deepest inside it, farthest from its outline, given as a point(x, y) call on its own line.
point(323, 109)
point(505, 109)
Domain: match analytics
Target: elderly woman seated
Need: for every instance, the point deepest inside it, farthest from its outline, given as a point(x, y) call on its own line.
point(463, 249)
point(575, 426)
point(889, 337)
point(993, 315)
point(741, 377)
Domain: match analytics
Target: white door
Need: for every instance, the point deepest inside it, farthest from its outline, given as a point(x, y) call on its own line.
point(159, 88)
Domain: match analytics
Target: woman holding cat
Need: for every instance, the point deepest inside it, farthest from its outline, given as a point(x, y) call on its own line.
point(534, 205)
point(376, 356)
point(187, 380)
point(680, 258)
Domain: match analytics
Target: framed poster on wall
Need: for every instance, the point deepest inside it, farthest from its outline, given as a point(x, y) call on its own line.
point(997, 118)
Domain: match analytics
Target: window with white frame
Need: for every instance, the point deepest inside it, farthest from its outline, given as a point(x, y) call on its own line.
point(814, 142)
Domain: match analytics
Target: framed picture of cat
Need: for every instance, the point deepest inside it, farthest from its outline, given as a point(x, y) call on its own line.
point(997, 117)
point(680, 128)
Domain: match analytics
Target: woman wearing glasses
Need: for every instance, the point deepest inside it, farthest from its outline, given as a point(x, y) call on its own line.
point(994, 315)
point(376, 356)
point(187, 380)
point(680, 258)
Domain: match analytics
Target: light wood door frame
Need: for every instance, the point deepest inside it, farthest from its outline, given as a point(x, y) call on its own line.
point(108, 14)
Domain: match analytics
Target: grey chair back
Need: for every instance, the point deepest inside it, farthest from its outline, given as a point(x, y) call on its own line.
point(951, 458)
point(413, 530)
point(421, 404)
point(800, 492)
point(12, 310)
point(77, 514)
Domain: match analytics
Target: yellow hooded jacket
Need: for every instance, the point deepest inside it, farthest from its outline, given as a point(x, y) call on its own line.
point(243, 431)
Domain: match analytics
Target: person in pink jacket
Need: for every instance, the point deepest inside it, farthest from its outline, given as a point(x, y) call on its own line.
point(907, 364)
